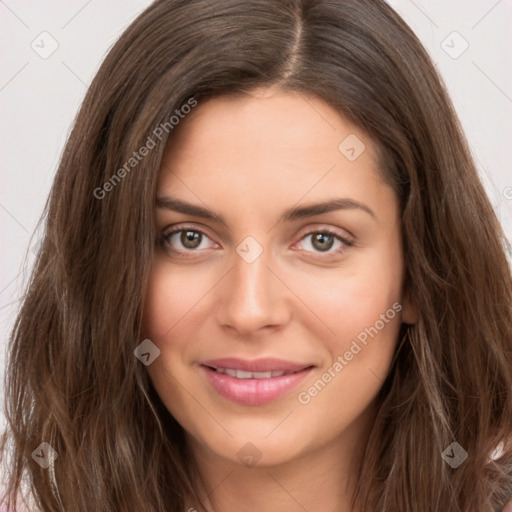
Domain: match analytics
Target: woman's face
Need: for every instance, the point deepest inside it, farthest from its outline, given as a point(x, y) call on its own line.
point(253, 278)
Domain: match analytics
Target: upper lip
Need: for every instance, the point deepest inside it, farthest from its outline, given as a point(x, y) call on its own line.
point(256, 365)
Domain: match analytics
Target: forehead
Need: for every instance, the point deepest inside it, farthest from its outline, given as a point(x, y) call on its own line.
point(283, 121)
point(267, 148)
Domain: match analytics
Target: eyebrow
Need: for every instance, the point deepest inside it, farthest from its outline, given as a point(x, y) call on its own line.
point(291, 214)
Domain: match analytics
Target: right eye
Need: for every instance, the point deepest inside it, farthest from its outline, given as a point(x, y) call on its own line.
point(189, 238)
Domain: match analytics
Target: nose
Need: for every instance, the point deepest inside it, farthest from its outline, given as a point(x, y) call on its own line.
point(252, 297)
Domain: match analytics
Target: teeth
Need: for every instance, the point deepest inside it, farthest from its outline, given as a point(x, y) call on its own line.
point(242, 374)
point(262, 375)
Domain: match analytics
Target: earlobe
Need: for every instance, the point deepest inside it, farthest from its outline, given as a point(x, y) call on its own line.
point(409, 310)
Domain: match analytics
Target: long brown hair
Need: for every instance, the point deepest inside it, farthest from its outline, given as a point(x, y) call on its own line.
point(72, 379)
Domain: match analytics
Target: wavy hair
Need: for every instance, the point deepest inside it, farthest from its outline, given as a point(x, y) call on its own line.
point(72, 379)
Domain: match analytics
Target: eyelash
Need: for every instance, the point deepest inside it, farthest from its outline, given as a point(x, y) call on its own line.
point(164, 238)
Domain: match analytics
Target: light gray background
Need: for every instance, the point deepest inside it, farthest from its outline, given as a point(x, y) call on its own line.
point(39, 98)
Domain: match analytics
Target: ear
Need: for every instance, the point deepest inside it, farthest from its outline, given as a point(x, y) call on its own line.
point(409, 309)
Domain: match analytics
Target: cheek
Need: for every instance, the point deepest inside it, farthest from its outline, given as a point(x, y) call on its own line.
point(353, 297)
point(365, 317)
point(361, 306)
point(171, 320)
point(170, 298)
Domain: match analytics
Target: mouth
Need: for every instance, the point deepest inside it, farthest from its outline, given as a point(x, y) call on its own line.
point(242, 374)
point(254, 382)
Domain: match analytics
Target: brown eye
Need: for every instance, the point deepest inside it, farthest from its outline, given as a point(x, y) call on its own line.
point(185, 240)
point(323, 241)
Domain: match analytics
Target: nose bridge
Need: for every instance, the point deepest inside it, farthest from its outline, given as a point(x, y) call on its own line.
point(252, 296)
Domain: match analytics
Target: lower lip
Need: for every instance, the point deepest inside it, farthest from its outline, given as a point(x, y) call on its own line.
point(253, 391)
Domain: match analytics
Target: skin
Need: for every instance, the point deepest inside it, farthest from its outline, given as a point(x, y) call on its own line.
point(248, 158)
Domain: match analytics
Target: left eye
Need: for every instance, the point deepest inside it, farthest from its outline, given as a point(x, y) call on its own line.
point(323, 241)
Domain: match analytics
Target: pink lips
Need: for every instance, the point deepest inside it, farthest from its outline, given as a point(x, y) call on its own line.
point(254, 391)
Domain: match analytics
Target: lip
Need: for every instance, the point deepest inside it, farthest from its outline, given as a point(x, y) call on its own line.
point(254, 391)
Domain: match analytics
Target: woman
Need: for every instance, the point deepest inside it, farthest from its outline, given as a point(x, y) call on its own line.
point(270, 279)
